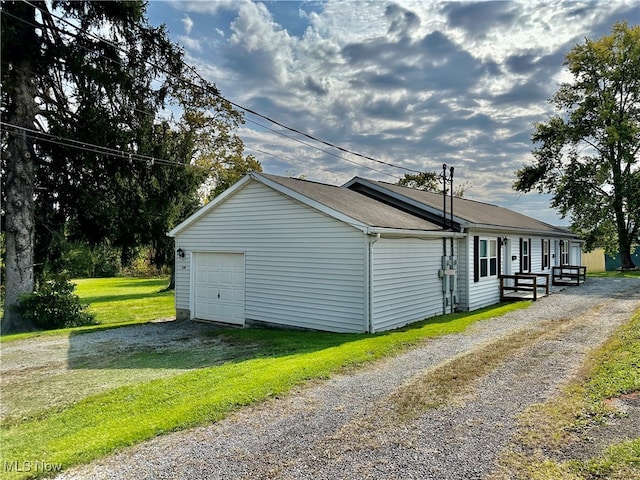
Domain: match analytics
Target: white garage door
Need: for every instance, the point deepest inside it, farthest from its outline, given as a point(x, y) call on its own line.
point(219, 287)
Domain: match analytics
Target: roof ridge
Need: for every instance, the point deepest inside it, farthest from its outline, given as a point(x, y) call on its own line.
point(298, 179)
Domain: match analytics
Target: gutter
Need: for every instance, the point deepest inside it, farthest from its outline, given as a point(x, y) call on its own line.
point(498, 228)
point(402, 232)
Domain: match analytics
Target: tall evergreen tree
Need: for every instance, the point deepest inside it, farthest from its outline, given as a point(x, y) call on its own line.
point(80, 78)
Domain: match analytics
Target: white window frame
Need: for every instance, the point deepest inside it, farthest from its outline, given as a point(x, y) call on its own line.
point(546, 254)
point(525, 254)
point(488, 263)
point(564, 252)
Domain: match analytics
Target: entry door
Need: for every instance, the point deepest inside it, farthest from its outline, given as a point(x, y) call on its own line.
point(506, 257)
point(219, 287)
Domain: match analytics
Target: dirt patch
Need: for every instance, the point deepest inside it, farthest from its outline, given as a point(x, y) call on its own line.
point(622, 425)
point(54, 371)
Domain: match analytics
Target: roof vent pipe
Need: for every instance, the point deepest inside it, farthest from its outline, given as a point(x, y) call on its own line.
point(451, 209)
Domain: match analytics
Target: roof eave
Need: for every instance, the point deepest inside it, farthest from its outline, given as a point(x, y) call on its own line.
point(404, 232)
point(523, 230)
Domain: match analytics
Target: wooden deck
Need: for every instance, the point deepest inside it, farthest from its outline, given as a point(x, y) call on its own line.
point(569, 275)
point(524, 286)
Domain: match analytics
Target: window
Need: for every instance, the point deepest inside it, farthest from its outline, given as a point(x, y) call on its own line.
point(545, 253)
point(564, 252)
point(488, 258)
point(525, 259)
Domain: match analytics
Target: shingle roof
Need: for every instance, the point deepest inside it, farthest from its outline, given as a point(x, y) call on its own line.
point(467, 212)
point(355, 205)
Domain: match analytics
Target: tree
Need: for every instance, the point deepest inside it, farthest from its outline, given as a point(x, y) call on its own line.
point(83, 81)
point(427, 181)
point(431, 182)
point(587, 155)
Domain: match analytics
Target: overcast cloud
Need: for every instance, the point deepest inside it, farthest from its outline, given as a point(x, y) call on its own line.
point(413, 83)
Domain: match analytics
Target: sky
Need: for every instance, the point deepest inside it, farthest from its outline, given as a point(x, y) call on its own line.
point(416, 84)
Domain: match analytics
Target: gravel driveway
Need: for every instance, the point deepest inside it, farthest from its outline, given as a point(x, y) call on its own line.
point(340, 428)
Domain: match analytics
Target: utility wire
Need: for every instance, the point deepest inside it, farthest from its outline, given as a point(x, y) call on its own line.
point(98, 149)
point(320, 149)
point(65, 32)
point(321, 168)
point(215, 92)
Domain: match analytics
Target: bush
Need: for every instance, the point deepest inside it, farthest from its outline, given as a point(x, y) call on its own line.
point(83, 261)
point(142, 265)
point(54, 305)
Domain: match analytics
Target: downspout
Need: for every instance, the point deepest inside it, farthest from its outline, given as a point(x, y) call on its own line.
point(443, 279)
point(369, 278)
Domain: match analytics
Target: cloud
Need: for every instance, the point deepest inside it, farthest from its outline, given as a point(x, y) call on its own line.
point(414, 83)
point(187, 23)
point(190, 43)
point(477, 18)
point(258, 47)
point(403, 21)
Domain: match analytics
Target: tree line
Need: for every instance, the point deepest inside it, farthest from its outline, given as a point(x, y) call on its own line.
point(107, 138)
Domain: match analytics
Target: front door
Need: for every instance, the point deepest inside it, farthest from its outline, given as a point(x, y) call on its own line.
point(219, 287)
point(506, 256)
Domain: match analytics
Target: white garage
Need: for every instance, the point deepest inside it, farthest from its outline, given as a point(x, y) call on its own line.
point(287, 252)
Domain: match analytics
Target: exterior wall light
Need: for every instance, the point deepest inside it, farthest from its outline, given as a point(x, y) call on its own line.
point(180, 253)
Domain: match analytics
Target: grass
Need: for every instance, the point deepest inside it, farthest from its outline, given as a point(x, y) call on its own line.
point(276, 361)
point(455, 377)
point(616, 274)
point(126, 300)
point(609, 371)
point(116, 301)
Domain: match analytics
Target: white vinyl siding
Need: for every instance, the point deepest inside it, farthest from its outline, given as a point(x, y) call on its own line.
point(465, 275)
point(302, 268)
point(405, 286)
point(484, 291)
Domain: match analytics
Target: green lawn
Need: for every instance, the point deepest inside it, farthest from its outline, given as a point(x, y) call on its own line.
point(616, 274)
point(126, 300)
point(117, 301)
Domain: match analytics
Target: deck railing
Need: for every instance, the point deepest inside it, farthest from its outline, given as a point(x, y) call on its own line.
point(569, 275)
point(524, 285)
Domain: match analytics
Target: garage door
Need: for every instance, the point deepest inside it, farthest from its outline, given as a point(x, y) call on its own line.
point(219, 287)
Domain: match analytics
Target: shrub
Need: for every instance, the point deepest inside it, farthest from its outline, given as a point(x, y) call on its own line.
point(82, 261)
point(142, 265)
point(54, 305)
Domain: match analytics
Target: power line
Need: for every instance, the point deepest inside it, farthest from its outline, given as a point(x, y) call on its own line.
point(321, 168)
point(311, 137)
point(110, 59)
point(320, 149)
point(98, 149)
point(215, 92)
